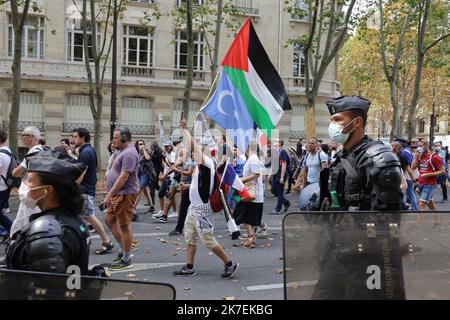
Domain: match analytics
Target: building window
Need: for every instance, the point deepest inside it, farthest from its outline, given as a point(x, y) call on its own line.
point(299, 67)
point(422, 125)
point(246, 7)
point(78, 113)
point(31, 110)
point(32, 38)
point(75, 50)
point(300, 10)
point(137, 115)
point(194, 106)
point(181, 50)
point(137, 46)
point(298, 122)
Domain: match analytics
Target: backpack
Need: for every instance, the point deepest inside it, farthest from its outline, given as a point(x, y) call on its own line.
point(10, 180)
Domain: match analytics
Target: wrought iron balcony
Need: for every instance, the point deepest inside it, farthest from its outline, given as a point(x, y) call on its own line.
point(68, 127)
point(23, 124)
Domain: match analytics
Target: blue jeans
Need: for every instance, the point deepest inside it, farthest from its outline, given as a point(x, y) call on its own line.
point(410, 195)
point(426, 192)
point(278, 188)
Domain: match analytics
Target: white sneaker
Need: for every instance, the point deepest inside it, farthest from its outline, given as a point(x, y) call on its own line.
point(173, 215)
point(158, 214)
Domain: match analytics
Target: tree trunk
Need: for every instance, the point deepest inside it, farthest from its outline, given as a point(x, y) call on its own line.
point(309, 116)
point(215, 63)
point(18, 22)
point(190, 60)
point(394, 104)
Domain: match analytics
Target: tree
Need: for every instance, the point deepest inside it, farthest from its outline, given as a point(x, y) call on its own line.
point(327, 19)
point(18, 21)
point(434, 36)
point(391, 71)
point(98, 53)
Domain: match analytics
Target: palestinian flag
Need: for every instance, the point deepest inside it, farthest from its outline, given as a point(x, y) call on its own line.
point(248, 68)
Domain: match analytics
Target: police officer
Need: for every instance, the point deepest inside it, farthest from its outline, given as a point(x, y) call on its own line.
point(55, 238)
point(365, 176)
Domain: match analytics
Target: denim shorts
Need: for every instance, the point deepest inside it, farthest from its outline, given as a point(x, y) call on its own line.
point(426, 192)
point(88, 208)
point(144, 181)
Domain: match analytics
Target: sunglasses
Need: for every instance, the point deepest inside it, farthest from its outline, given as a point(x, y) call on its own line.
point(142, 144)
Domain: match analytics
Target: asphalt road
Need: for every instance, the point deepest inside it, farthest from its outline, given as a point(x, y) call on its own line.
point(260, 273)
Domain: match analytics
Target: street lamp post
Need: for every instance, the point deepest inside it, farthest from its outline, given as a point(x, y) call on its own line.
point(113, 121)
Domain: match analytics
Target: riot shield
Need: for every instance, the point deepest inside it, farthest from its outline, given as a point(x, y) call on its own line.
point(366, 255)
point(26, 285)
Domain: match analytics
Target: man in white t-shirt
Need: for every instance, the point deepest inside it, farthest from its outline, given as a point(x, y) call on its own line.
point(30, 137)
point(314, 162)
point(200, 218)
point(5, 160)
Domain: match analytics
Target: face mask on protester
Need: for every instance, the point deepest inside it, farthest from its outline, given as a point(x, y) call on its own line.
point(335, 132)
point(437, 148)
point(26, 200)
point(420, 150)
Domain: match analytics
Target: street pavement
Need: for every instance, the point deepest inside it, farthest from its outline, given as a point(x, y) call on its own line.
point(260, 273)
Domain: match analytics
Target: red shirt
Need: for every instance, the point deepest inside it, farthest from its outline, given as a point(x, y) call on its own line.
point(426, 167)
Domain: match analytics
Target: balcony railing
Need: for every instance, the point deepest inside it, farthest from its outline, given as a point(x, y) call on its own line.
point(141, 130)
point(68, 127)
point(131, 71)
point(182, 75)
point(296, 134)
point(23, 124)
point(246, 7)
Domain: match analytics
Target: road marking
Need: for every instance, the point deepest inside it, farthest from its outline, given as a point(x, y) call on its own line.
point(147, 266)
point(281, 285)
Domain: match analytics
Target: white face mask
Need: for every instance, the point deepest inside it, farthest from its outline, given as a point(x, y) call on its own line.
point(335, 132)
point(420, 150)
point(25, 199)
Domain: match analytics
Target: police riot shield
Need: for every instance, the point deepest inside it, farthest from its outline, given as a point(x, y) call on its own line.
point(26, 285)
point(366, 255)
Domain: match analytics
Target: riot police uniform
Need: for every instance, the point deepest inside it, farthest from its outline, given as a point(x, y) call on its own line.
point(54, 239)
point(365, 178)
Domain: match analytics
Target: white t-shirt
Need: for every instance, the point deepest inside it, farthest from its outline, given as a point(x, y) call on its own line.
point(170, 157)
point(5, 160)
point(23, 212)
point(194, 195)
point(254, 165)
point(313, 165)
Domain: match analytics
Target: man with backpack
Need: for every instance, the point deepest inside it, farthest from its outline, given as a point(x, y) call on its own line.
point(6, 158)
point(430, 168)
point(30, 138)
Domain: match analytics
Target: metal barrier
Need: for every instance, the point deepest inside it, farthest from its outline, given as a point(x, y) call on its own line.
point(26, 285)
point(366, 255)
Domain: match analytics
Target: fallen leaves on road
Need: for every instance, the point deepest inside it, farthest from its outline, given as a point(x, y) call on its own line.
point(279, 271)
point(236, 245)
point(270, 239)
point(135, 243)
point(163, 241)
point(131, 276)
point(234, 280)
point(130, 294)
point(230, 298)
point(158, 228)
point(269, 245)
point(187, 288)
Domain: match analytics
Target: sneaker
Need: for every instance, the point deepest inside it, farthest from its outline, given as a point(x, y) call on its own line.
point(185, 271)
point(151, 210)
point(173, 215)
point(288, 193)
point(275, 212)
point(175, 232)
point(118, 258)
point(121, 265)
point(158, 214)
point(135, 218)
point(262, 232)
point(230, 271)
point(162, 219)
point(286, 207)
